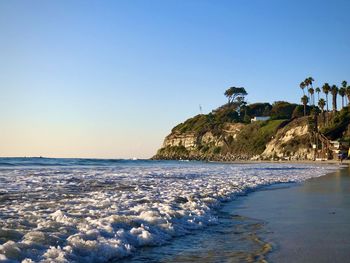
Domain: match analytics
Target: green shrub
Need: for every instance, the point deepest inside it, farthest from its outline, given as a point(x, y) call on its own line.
point(217, 150)
point(337, 125)
point(282, 110)
point(253, 138)
point(213, 121)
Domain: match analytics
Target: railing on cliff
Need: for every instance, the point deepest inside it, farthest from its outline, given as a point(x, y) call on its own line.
point(322, 146)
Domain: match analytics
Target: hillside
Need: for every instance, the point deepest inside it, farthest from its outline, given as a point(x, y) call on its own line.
point(225, 135)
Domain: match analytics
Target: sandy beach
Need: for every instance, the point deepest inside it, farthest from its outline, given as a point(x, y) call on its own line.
point(309, 222)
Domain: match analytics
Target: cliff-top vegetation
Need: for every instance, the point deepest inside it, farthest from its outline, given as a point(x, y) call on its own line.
point(252, 137)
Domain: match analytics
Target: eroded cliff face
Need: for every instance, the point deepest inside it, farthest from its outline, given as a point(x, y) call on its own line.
point(188, 140)
point(188, 145)
point(191, 140)
point(290, 141)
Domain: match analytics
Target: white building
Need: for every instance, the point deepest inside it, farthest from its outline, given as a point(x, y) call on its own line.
point(260, 118)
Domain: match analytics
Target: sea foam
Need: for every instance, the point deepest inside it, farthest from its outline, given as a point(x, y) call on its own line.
point(95, 214)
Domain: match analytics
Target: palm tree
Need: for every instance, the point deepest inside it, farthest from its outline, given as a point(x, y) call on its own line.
point(334, 91)
point(326, 88)
point(342, 94)
point(347, 91)
point(310, 80)
point(304, 100)
point(321, 104)
point(318, 90)
point(344, 84)
point(307, 83)
point(302, 86)
point(311, 92)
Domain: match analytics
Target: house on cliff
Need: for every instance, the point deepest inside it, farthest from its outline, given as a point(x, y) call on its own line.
point(260, 118)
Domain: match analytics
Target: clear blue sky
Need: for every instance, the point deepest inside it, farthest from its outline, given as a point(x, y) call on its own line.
point(111, 78)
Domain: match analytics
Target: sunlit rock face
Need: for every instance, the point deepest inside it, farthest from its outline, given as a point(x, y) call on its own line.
point(290, 141)
point(188, 140)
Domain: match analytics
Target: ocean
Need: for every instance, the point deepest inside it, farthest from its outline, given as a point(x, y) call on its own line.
point(95, 210)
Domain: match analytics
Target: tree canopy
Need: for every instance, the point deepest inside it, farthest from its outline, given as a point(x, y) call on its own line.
point(235, 93)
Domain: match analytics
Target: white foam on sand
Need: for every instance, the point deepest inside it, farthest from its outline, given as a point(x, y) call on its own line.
point(103, 213)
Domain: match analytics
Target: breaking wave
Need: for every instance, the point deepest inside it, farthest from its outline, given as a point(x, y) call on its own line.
point(85, 210)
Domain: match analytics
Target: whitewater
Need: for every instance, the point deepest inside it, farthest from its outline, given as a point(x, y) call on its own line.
point(83, 210)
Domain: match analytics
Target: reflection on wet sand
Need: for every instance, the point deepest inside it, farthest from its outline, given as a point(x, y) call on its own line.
point(309, 222)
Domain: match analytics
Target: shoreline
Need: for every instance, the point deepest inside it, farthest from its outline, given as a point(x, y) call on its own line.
point(187, 210)
point(345, 162)
point(236, 237)
point(307, 222)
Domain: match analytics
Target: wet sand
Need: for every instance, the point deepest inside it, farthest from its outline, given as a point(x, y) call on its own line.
point(308, 222)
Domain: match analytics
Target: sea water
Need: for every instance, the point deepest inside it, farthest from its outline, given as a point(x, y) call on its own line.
point(91, 210)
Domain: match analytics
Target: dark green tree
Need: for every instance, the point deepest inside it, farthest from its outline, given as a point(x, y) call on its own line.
point(321, 104)
point(334, 92)
point(233, 93)
point(311, 92)
point(282, 110)
point(344, 85)
point(318, 90)
point(347, 91)
point(342, 91)
point(304, 101)
point(326, 88)
point(302, 86)
point(229, 93)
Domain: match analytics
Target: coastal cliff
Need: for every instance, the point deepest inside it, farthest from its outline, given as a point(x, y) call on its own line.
point(237, 141)
point(217, 136)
